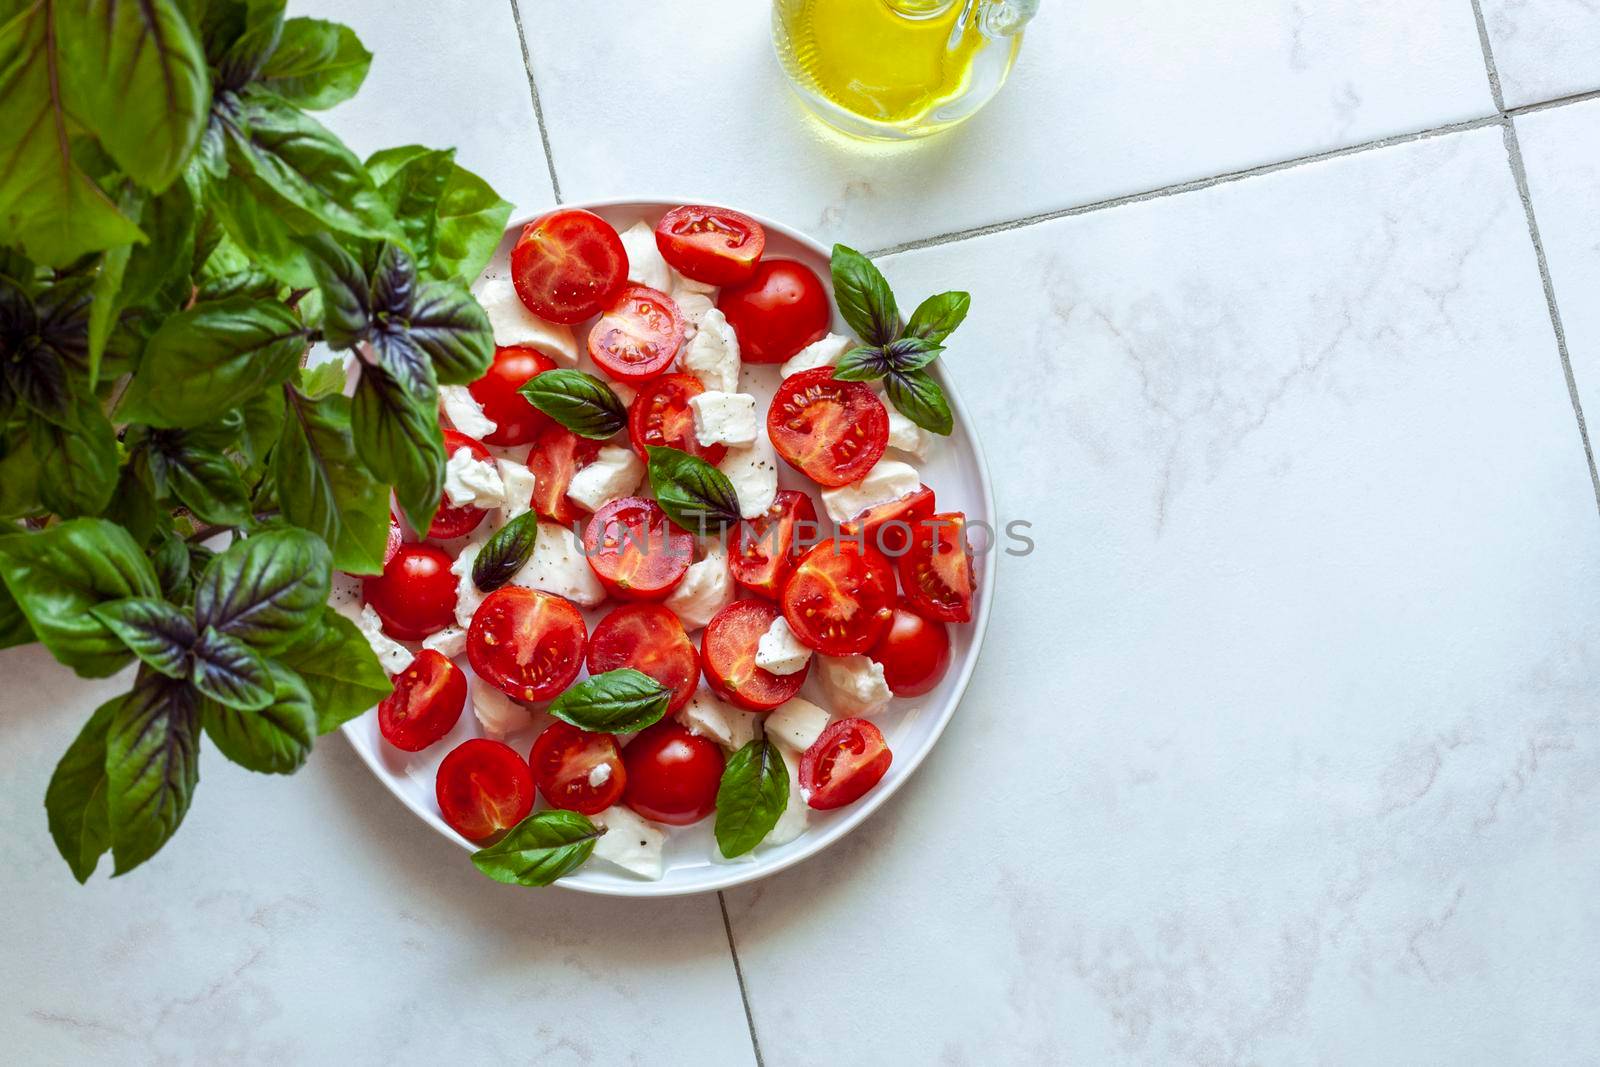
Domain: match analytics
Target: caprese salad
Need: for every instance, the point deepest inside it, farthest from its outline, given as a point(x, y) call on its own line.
point(656, 632)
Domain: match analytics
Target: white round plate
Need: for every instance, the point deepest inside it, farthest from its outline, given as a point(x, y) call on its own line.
point(957, 473)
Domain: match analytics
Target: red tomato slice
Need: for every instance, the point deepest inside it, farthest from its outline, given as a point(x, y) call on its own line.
point(936, 570)
point(660, 415)
point(830, 431)
point(848, 759)
point(527, 643)
point(483, 787)
point(781, 309)
point(887, 528)
point(427, 700)
point(728, 654)
point(635, 551)
point(648, 638)
point(416, 593)
point(840, 598)
point(451, 521)
point(567, 265)
point(578, 770)
point(711, 244)
point(914, 652)
point(673, 774)
point(556, 455)
point(764, 548)
point(638, 336)
point(516, 422)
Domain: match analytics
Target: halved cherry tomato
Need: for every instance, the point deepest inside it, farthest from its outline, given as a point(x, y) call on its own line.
point(576, 769)
point(648, 638)
point(427, 700)
point(527, 643)
point(764, 548)
point(416, 593)
point(830, 431)
point(711, 244)
point(555, 457)
point(848, 759)
point(516, 422)
point(936, 570)
point(840, 598)
point(914, 652)
point(451, 521)
point(780, 310)
point(728, 654)
point(638, 336)
point(483, 787)
point(660, 415)
point(887, 528)
point(635, 551)
point(673, 774)
point(567, 265)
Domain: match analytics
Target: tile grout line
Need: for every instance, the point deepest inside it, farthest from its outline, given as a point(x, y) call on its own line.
point(738, 973)
point(1559, 101)
point(538, 108)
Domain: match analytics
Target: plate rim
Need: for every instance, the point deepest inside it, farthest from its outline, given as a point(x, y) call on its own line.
point(741, 873)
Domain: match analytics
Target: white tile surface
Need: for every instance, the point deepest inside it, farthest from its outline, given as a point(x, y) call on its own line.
point(315, 920)
point(1544, 49)
point(1283, 746)
point(1109, 97)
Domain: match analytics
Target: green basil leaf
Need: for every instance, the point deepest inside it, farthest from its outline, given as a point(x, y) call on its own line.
point(274, 740)
point(79, 464)
point(57, 574)
point(447, 324)
point(918, 397)
point(158, 270)
point(616, 702)
point(910, 353)
point(230, 672)
point(323, 487)
point(504, 554)
point(394, 285)
point(692, 492)
point(864, 297)
point(266, 590)
point(174, 569)
point(251, 282)
point(405, 363)
point(239, 36)
point(154, 630)
point(862, 364)
point(152, 767)
point(75, 802)
point(14, 628)
point(134, 508)
point(136, 76)
point(262, 228)
point(204, 480)
point(213, 357)
point(339, 670)
point(346, 291)
point(580, 402)
point(322, 380)
point(753, 794)
point(938, 316)
point(541, 848)
point(317, 64)
point(106, 307)
point(397, 436)
point(19, 474)
point(412, 180)
point(472, 219)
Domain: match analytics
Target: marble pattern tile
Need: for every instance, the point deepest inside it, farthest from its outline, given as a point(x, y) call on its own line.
point(1544, 49)
point(1283, 744)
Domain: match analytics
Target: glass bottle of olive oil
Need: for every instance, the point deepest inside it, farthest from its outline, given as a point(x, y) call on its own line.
point(897, 69)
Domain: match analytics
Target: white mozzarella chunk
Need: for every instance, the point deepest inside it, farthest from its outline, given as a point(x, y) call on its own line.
point(792, 823)
point(889, 479)
point(779, 651)
point(854, 684)
point(557, 566)
point(708, 716)
point(468, 595)
point(706, 589)
point(470, 480)
point(686, 284)
point(693, 308)
point(645, 265)
point(464, 411)
point(498, 713)
point(713, 355)
point(629, 842)
point(797, 723)
point(514, 324)
point(824, 353)
point(449, 642)
point(615, 473)
point(391, 654)
point(600, 775)
point(907, 436)
point(724, 418)
point(753, 470)
point(519, 484)
point(624, 393)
